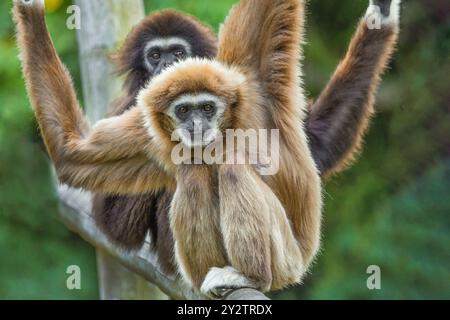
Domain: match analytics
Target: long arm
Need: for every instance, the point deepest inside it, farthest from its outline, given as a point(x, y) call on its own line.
point(95, 158)
point(267, 42)
point(339, 118)
point(263, 38)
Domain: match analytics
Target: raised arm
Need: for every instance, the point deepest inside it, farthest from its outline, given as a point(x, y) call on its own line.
point(114, 150)
point(339, 118)
point(263, 38)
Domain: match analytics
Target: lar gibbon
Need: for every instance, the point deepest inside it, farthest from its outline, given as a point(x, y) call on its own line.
point(261, 234)
point(335, 123)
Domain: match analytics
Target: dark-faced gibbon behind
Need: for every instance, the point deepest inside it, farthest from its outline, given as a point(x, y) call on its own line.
point(155, 43)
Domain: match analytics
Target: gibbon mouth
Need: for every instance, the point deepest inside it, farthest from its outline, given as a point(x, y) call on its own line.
point(200, 142)
point(199, 139)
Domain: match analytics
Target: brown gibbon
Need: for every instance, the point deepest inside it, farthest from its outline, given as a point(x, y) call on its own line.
point(335, 123)
point(243, 230)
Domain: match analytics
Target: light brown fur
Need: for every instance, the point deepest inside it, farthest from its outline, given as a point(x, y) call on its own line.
point(126, 219)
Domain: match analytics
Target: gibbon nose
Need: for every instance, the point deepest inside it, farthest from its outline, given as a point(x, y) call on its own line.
point(196, 125)
point(169, 61)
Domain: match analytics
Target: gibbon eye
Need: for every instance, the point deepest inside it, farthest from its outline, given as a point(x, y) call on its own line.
point(155, 55)
point(208, 108)
point(183, 109)
point(179, 53)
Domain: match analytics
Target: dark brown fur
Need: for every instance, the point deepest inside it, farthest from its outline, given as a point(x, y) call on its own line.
point(338, 120)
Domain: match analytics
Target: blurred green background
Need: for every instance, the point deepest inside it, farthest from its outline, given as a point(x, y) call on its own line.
point(390, 209)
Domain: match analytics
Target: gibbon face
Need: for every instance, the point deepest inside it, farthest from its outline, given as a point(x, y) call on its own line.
point(160, 53)
point(196, 117)
point(192, 101)
point(160, 40)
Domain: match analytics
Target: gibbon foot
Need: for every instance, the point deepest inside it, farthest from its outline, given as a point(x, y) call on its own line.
point(389, 9)
point(219, 281)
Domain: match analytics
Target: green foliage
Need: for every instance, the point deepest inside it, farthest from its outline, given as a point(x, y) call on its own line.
point(390, 209)
point(212, 13)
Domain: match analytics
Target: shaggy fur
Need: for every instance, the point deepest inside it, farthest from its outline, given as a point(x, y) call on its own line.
point(266, 44)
